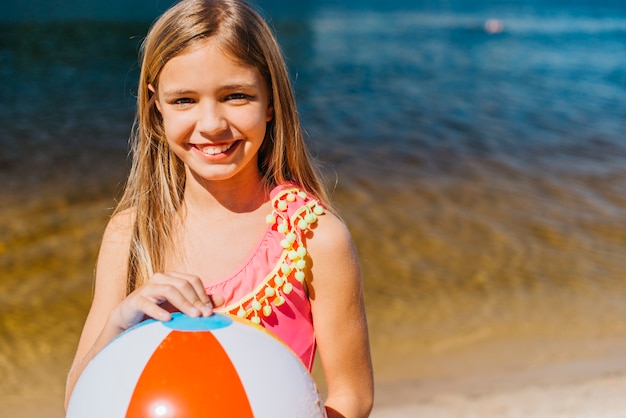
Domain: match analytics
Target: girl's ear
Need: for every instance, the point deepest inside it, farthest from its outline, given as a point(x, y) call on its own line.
point(156, 98)
point(270, 113)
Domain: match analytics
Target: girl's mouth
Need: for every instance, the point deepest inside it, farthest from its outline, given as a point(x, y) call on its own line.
point(216, 149)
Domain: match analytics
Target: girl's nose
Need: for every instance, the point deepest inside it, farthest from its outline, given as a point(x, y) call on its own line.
point(211, 119)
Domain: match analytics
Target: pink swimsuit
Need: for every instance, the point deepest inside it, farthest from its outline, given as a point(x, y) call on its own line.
point(269, 289)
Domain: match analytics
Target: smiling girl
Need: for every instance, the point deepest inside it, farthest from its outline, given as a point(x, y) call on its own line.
point(223, 209)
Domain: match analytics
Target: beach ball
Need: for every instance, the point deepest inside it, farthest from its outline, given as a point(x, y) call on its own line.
point(218, 366)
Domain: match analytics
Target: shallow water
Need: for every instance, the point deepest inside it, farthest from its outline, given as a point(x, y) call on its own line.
point(483, 178)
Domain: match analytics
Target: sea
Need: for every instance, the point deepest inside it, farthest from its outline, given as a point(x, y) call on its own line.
point(475, 149)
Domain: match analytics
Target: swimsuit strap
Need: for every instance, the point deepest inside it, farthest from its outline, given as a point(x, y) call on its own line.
point(294, 212)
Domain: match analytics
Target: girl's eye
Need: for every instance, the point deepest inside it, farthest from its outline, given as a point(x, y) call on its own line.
point(237, 96)
point(182, 101)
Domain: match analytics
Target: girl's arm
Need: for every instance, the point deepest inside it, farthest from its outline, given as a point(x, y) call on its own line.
point(112, 312)
point(110, 289)
point(336, 293)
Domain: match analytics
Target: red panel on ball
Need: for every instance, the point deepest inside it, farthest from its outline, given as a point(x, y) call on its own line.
point(169, 385)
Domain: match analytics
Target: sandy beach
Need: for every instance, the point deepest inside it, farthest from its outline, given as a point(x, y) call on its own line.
point(518, 378)
point(600, 397)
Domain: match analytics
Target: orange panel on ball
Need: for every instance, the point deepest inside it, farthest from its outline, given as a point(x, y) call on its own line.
point(189, 375)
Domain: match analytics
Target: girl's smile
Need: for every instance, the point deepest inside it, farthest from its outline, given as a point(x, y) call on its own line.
point(214, 152)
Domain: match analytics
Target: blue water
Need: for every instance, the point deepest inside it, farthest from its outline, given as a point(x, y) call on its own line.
point(417, 76)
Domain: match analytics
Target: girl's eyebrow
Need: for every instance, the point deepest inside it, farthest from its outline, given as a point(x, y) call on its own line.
point(175, 93)
point(228, 87)
point(239, 86)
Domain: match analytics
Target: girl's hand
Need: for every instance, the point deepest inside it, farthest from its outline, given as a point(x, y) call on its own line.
point(163, 294)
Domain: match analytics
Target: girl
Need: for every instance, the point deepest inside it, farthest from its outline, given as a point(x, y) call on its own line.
point(223, 209)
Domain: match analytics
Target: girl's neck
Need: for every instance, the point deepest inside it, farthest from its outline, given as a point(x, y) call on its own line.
point(220, 225)
point(229, 196)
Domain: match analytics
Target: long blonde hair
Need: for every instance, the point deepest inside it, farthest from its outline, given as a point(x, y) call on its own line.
point(155, 186)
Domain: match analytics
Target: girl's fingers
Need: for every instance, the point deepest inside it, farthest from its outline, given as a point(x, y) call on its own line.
point(177, 296)
point(196, 284)
point(166, 293)
point(135, 308)
point(157, 312)
point(193, 289)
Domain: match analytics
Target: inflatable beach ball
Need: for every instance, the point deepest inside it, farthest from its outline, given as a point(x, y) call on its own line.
point(195, 367)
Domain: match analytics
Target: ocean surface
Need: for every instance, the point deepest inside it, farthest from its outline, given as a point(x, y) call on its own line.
point(476, 150)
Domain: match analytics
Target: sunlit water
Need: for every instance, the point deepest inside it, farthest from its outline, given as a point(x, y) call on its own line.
point(482, 175)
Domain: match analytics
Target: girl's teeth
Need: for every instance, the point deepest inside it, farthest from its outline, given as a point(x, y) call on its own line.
point(214, 150)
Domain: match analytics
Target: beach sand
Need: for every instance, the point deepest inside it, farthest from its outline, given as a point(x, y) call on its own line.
point(510, 379)
point(600, 397)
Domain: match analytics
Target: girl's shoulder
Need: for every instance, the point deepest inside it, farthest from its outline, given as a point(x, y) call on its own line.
point(118, 235)
point(121, 223)
point(329, 236)
point(332, 239)
point(112, 265)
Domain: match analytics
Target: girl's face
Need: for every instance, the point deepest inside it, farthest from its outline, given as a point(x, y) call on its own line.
point(214, 111)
